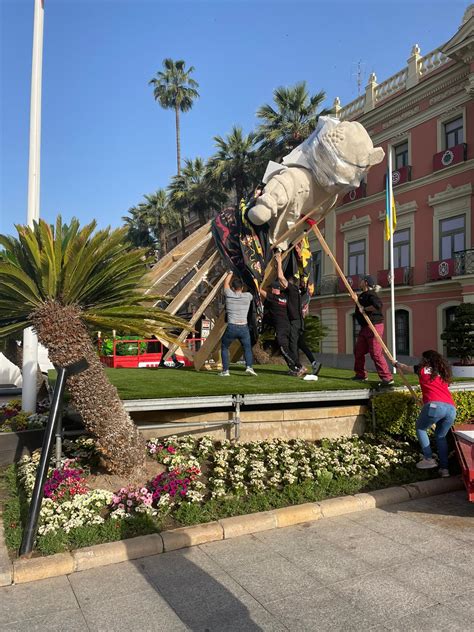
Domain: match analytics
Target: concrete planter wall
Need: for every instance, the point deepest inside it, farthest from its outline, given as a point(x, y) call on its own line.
point(466, 371)
point(13, 445)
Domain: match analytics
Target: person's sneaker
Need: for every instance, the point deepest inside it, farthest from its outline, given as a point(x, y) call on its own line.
point(316, 367)
point(426, 464)
point(250, 371)
point(224, 374)
point(386, 384)
point(293, 373)
point(301, 371)
point(443, 472)
point(356, 378)
point(178, 365)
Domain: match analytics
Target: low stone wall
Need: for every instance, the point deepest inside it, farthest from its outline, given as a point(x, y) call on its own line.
point(291, 423)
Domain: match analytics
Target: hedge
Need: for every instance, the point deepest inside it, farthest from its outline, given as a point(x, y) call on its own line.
point(395, 413)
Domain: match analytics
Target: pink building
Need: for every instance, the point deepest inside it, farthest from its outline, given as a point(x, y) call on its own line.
point(424, 115)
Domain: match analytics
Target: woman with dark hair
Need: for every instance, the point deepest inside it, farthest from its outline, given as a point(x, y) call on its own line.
point(434, 374)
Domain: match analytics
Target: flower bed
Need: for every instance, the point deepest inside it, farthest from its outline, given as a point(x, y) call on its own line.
point(12, 419)
point(202, 480)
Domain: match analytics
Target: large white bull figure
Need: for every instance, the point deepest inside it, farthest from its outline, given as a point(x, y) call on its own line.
point(335, 158)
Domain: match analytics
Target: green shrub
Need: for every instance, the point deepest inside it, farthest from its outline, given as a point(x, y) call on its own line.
point(396, 413)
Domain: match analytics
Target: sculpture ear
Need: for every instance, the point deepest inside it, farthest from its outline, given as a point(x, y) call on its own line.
point(376, 156)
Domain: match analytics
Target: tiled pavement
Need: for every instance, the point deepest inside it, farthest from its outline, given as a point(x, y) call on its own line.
point(408, 567)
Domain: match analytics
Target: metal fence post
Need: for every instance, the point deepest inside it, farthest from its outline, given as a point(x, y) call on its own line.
point(29, 534)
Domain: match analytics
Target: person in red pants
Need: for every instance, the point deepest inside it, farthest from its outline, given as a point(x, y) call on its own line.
point(366, 341)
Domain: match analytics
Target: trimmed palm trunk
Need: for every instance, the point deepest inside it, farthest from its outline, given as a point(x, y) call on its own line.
point(63, 333)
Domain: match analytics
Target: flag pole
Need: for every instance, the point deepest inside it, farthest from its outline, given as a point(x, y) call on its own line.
point(30, 340)
point(392, 276)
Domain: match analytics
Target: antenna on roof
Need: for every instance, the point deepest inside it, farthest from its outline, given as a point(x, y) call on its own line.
point(359, 74)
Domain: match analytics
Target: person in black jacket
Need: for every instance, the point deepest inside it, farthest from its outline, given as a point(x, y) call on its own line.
point(366, 341)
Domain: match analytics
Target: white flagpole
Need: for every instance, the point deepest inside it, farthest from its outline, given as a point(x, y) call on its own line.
point(30, 340)
point(392, 286)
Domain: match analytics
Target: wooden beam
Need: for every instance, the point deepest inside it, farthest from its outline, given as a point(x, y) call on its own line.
point(191, 286)
point(196, 316)
point(211, 342)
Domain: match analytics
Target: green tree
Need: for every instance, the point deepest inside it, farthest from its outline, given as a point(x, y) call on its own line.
point(162, 217)
point(66, 282)
point(290, 121)
point(194, 191)
point(138, 228)
point(314, 332)
point(459, 333)
point(234, 164)
point(175, 89)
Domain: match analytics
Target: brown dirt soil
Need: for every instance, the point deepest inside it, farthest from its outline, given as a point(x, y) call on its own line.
point(113, 482)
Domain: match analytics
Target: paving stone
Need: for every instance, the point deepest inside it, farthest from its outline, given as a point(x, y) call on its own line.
point(328, 562)
point(321, 610)
point(145, 611)
point(32, 600)
point(275, 579)
point(462, 604)
point(460, 557)
point(193, 586)
point(431, 576)
point(377, 550)
point(238, 551)
point(108, 582)
point(436, 618)
point(64, 621)
point(381, 596)
point(336, 529)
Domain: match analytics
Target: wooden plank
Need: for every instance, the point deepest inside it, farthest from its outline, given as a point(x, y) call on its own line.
point(178, 251)
point(179, 262)
point(212, 341)
point(197, 315)
point(191, 286)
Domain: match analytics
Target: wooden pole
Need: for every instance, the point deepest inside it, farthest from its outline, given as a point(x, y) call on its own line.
point(353, 295)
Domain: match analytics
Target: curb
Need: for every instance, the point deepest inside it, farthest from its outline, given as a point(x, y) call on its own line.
point(29, 570)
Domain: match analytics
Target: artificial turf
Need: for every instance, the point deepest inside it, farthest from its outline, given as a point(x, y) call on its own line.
point(186, 382)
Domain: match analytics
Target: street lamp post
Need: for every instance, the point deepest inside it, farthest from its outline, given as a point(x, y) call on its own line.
point(30, 340)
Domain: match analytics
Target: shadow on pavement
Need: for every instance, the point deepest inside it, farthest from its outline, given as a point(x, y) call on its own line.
point(203, 595)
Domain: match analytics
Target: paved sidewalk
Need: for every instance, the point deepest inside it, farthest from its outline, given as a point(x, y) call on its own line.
point(407, 567)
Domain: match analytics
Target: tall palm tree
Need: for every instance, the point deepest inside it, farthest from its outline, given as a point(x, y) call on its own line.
point(66, 281)
point(292, 120)
point(174, 88)
point(195, 191)
point(162, 217)
point(234, 164)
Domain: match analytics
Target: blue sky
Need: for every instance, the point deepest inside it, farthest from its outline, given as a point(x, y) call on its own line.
point(105, 142)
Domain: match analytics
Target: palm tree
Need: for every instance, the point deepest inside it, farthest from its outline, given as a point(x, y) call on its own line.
point(161, 216)
point(294, 118)
point(234, 164)
point(138, 229)
point(174, 88)
point(66, 281)
point(195, 191)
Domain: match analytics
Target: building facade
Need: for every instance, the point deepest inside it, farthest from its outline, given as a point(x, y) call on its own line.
point(424, 116)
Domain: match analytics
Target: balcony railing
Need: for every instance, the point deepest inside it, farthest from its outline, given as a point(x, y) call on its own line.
point(460, 264)
point(327, 285)
point(401, 276)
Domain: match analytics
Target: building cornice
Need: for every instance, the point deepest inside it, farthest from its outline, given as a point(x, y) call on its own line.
point(451, 193)
point(355, 222)
point(402, 209)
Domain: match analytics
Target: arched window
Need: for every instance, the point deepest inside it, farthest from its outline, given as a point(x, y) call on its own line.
point(402, 332)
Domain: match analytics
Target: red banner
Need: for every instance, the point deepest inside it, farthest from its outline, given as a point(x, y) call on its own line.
point(449, 157)
point(355, 194)
point(400, 277)
point(353, 282)
point(439, 270)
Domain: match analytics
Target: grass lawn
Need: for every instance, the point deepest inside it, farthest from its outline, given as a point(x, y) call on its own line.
point(186, 382)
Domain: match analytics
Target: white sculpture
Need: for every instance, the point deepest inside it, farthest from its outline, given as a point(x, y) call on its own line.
point(334, 159)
